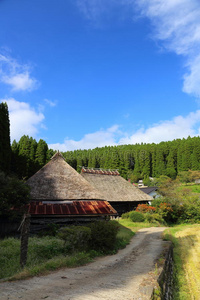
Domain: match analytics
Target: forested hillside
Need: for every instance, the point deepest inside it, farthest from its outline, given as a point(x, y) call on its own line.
point(133, 161)
point(142, 160)
point(139, 161)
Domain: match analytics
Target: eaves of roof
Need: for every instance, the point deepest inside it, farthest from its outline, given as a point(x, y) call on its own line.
point(74, 208)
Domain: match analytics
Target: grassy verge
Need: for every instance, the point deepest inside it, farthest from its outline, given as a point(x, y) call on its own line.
point(46, 254)
point(135, 226)
point(186, 241)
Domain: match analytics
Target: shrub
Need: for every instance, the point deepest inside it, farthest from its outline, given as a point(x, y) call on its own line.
point(47, 248)
point(149, 218)
point(125, 215)
point(136, 216)
point(103, 235)
point(144, 208)
point(76, 238)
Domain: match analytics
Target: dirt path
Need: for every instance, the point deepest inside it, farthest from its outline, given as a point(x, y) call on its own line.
point(128, 275)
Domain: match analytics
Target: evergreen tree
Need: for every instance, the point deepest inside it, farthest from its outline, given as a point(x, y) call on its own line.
point(23, 159)
point(5, 148)
point(170, 169)
point(160, 162)
point(41, 153)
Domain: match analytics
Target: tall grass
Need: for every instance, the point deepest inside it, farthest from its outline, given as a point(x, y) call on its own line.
point(48, 253)
point(186, 241)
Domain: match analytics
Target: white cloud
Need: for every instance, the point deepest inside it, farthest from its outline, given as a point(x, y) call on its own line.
point(175, 22)
point(100, 138)
point(178, 127)
point(16, 75)
point(24, 119)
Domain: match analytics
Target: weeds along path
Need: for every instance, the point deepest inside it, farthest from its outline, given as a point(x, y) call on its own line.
point(128, 275)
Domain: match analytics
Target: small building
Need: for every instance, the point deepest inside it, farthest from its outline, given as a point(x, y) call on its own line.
point(60, 195)
point(151, 191)
point(120, 193)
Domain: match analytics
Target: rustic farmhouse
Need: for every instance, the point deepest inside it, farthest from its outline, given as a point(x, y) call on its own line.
point(122, 195)
point(60, 195)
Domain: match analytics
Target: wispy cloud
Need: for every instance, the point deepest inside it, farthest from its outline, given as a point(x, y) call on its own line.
point(16, 75)
point(50, 102)
point(100, 138)
point(178, 127)
point(24, 119)
point(176, 23)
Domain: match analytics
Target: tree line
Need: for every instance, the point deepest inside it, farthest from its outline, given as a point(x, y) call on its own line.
point(139, 161)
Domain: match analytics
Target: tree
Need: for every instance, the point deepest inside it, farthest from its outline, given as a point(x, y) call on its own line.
point(14, 194)
point(170, 170)
point(5, 148)
point(41, 153)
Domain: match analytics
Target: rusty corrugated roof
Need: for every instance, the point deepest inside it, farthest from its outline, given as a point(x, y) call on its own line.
point(72, 208)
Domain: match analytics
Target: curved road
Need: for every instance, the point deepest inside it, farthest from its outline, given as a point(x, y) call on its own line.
point(127, 275)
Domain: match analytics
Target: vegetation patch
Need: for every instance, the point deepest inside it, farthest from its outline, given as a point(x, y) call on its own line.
point(186, 241)
point(48, 253)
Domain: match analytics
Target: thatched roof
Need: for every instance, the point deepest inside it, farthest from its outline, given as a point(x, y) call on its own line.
point(115, 188)
point(57, 180)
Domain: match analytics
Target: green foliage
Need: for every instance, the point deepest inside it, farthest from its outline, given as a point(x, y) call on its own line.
point(134, 162)
point(13, 194)
point(48, 248)
point(125, 215)
point(136, 216)
point(28, 156)
point(49, 253)
point(9, 257)
point(5, 149)
point(154, 218)
point(103, 235)
point(76, 238)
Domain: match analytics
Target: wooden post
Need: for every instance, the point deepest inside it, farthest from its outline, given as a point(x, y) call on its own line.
point(25, 226)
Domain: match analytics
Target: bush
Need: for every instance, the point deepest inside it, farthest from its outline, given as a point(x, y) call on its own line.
point(47, 248)
point(103, 235)
point(125, 215)
point(144, 208)
point(136, 216)
point(149, 218)
point(76, 238)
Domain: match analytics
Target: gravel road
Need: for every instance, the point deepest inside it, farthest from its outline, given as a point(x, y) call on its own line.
point(128, 275)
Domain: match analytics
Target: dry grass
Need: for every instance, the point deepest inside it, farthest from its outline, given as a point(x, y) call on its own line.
point(189, 241)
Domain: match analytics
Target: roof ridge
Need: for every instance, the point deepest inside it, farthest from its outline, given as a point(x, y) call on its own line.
point(57, 154)
point(100, 171)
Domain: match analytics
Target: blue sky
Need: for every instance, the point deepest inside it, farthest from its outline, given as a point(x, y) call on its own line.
point(88, 73)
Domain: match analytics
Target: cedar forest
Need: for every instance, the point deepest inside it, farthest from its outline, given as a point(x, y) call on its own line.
point(139, 161)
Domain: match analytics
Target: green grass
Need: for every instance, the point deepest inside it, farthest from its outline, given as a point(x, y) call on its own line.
point(195, 188)
point(46, 254)
point(186, 241)
point(135, 226)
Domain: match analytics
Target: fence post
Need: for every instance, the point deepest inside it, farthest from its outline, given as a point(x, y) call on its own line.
point(25, 226)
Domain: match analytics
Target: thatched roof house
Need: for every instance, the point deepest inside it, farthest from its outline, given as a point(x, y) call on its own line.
point(122, 195)
point(60, 195)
